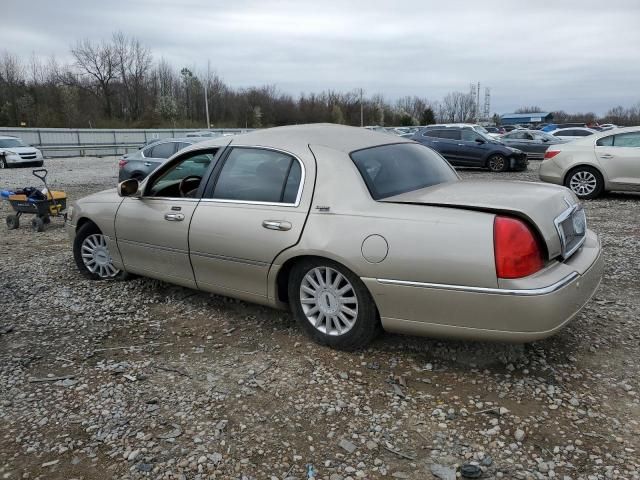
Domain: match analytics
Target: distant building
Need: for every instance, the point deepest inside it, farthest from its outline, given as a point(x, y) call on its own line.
point(519, 118)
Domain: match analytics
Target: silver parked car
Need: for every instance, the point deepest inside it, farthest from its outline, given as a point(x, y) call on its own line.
point(144, 161)
point(352, 230)
point(599, 163)
point(532, 142)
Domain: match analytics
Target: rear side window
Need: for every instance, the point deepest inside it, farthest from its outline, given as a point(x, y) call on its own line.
point(162, 150)
point(257, 175)
point(605, 141)
point(390, 170)
point(627, 140)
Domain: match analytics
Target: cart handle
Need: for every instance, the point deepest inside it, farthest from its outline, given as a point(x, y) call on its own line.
point(37, 172)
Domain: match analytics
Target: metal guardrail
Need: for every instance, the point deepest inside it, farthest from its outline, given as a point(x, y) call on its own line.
point(69, 142)
point(83, 148)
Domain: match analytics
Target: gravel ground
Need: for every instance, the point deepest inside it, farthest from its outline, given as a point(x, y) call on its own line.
point(142, 379)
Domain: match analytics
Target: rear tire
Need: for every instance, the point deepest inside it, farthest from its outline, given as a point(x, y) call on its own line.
point(332, 305)
point(497, 163)
point(92, 256)
point(37, 224)
point(586, 182)
point(13, 222)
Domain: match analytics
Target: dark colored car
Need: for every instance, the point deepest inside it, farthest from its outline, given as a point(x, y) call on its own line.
point(141, 163)
point(465, 147)
point(532, 142)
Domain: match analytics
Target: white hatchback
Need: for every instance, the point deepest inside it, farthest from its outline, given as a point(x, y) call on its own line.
point(15, 153)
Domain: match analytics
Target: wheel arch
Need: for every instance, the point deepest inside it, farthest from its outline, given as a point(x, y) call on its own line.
point(281, 276)
point(589, 165)
point(82, 221)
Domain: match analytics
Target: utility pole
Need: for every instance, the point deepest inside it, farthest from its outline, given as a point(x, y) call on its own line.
point(361, 110)
point(206, 98)
point(478, 104)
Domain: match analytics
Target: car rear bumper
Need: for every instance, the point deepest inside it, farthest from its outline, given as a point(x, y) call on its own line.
point(504, 314)
point(551, 172)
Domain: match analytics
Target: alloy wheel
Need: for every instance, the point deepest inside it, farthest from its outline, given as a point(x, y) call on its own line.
point(583, 183)
point(496, 163)
point(328, 301)
point(96, 256)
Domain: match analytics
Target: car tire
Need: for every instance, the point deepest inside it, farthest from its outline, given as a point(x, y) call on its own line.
point(339, 313)
point(37, 224)
point(3, 163)
point(92, 257)
point(586, 182)
point(13, 222)
point(497, 163)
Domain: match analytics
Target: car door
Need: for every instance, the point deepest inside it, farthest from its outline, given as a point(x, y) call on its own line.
point(472, 148)
point(619, 156)
point(152, 230)
point(158, 153)
point(254, 208)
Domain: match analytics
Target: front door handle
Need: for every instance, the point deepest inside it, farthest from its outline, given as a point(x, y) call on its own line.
point(147, 164)
point(606, 155)
point(174, 217)
point(276, 225)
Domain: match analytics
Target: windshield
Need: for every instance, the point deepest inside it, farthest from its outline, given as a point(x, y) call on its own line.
point(390, 170)
point(11, 142)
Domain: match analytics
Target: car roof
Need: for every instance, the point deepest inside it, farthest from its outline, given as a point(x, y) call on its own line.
point(8, 137)
point(296, 137)
point(572, 128)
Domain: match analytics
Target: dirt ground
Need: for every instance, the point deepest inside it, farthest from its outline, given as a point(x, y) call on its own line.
point(142, 379)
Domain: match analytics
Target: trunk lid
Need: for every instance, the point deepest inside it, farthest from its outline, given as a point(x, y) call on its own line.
point(539, 204)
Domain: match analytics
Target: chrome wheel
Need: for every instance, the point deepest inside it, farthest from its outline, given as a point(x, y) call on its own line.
point(583, 183)
point(96, 256)
point(328, 301)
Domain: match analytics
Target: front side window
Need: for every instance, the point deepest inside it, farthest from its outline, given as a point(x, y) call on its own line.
point(390, 170)
point(470, 136)
point(258, 175)
point(183, 177)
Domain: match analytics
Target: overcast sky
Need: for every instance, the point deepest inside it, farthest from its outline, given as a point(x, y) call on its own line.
point(575, 55)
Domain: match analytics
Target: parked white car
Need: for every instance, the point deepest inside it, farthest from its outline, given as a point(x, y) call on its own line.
point(595, 164)
point(572, 133)
point(15, 153)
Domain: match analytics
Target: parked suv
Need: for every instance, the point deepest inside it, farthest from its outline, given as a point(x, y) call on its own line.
point(465, 146)
point(141, 163)
point(15, 153)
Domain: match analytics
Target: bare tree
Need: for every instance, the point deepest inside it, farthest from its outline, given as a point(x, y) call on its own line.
point(134, 63)
point(457, 107)
point(12, 79)
point(99, 64)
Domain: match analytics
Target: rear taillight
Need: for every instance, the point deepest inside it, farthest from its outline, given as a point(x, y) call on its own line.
point(550, 154)
point(121, 163)
point(516, 248)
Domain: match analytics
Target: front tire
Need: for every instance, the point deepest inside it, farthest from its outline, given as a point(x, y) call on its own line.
point(497, 163)
point(3, 163)
point(586, 182)
point(91, 254)
point(332, 305)
point(13, 222)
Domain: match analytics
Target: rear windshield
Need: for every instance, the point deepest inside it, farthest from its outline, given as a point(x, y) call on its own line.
point(390, 170)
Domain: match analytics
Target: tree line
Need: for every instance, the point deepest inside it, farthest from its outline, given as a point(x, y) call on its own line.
point(117, 83)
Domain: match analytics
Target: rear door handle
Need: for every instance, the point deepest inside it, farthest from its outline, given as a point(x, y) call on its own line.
point(174, 217)
point(606, 155)
point(147, 164)
point(276, 225)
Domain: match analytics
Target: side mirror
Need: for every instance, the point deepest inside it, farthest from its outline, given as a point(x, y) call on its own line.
point(129, 188)
point(479, 141)
point(545, 139)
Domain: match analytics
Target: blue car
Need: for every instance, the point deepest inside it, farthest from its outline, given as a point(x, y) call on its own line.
point(467, 147)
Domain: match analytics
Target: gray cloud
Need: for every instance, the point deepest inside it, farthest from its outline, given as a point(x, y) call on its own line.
point(576, 55)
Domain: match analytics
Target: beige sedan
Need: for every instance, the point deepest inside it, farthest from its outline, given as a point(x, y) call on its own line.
point(596, 164)
point(354, 231)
